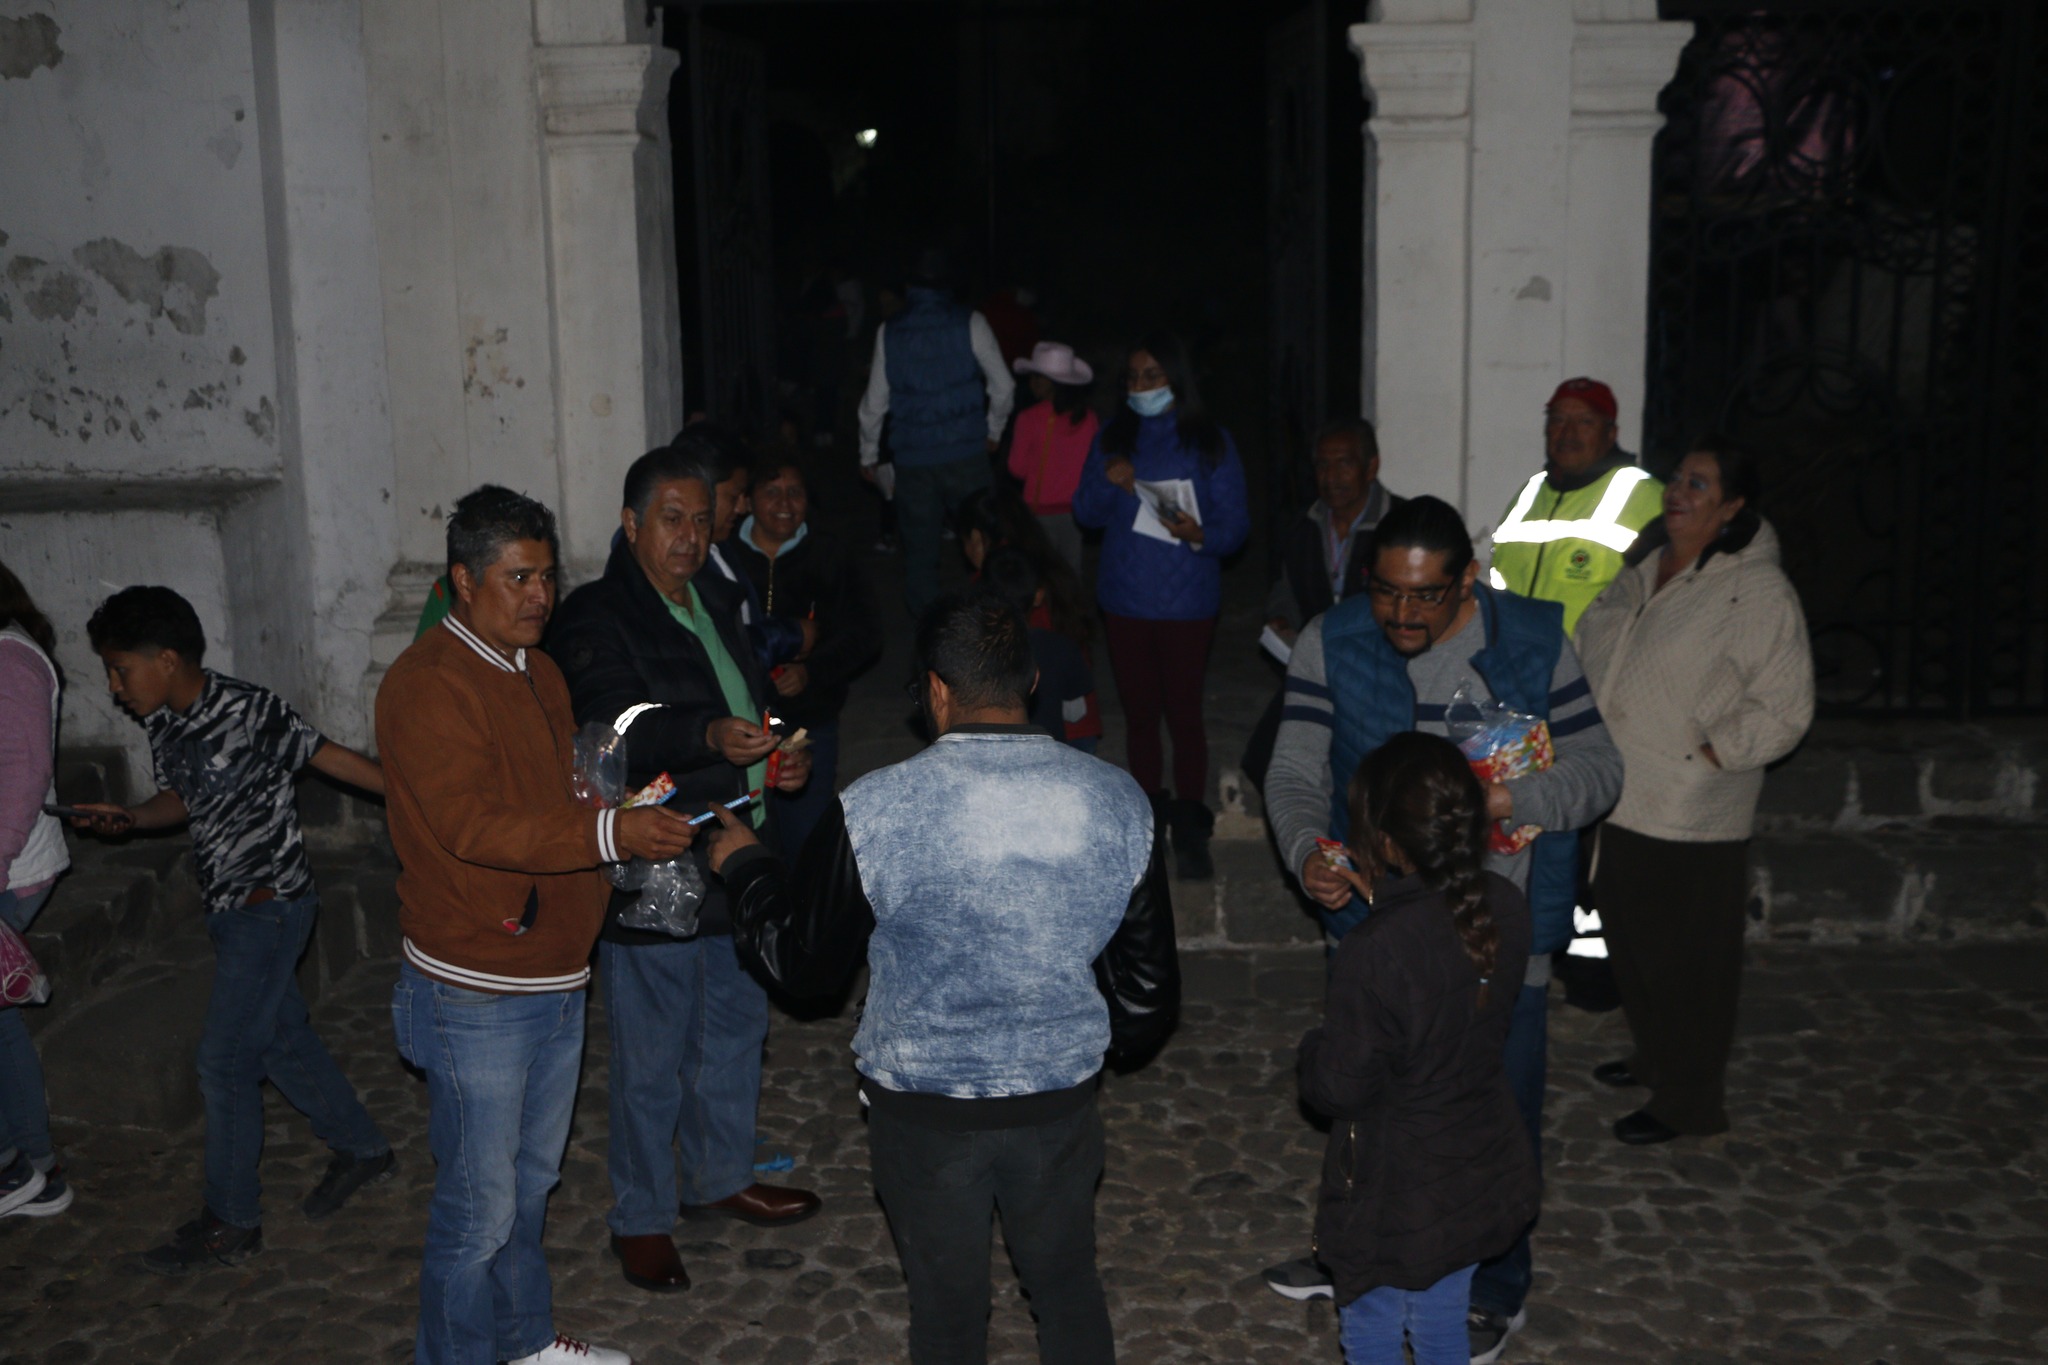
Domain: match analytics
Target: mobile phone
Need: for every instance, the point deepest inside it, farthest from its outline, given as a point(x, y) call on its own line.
point(68, 812)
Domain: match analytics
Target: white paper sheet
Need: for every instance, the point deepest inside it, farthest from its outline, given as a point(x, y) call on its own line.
point(1171, 492)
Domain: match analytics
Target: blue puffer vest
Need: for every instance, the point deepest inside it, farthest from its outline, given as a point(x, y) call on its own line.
point(937, 394)
point(998, 864)
point(1374, 700)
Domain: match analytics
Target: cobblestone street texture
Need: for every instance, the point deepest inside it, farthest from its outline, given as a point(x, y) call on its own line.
point(1881, 1199)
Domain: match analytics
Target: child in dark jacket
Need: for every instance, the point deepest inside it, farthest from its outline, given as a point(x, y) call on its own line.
point(1429, 1169)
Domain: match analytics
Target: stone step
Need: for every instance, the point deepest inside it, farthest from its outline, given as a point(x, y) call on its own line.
point(1958, 878)
point(1949, 877)
point(1852, 774)
point(126, 945)
point(111, 910)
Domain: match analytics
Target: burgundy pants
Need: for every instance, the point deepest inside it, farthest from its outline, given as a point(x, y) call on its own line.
point(1158, 667)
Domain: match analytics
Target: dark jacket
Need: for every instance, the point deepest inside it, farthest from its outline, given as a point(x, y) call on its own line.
point(1429, 1167)
point(944, 1015)
point(1163, 580)
point(618, 646)
point(938, 397)
point(815, 577)
point(1374, 700)
point(1302, 591)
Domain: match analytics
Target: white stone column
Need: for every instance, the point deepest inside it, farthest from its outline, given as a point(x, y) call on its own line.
point(1417, 65)
point(1512, 225)
point(611, 252)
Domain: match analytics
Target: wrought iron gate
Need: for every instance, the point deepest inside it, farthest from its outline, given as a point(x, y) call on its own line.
point(1849, 275)
point(1297, 253)
point(735, 275)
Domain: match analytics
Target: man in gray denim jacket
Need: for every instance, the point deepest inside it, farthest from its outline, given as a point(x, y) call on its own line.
point(1011, 899)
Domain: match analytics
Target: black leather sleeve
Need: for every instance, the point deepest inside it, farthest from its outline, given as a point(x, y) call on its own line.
point(806, 930)
point(1139, 971)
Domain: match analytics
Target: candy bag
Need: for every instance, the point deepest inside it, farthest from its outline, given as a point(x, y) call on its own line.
point(21, 977)
point(1500, 743)
point(670, 892)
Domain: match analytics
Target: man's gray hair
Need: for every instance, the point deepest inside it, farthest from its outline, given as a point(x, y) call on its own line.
point(663, 464)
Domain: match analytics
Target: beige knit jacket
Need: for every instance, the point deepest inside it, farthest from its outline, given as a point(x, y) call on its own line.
point(1720, 657)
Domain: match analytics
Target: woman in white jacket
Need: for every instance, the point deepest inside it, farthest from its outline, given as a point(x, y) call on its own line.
point(1700, 661)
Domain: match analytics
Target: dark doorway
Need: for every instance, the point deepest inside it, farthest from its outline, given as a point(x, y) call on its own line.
point(1849, 275)
point(1113, 162)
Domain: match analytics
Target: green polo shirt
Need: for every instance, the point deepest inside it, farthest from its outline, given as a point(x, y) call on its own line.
point(731, 681)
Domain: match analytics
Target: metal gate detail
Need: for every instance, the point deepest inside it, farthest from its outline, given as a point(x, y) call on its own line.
point(735, 276)
point(1297, 255)
point(1849, 276)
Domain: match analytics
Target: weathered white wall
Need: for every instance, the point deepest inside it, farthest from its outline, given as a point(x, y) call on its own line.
point(135, 324)
point(1511, 218)
point(281, 279)
point(70, 561)
point(191, 368)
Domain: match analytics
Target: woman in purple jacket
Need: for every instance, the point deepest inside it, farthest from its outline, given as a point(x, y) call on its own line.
point(1164, 484)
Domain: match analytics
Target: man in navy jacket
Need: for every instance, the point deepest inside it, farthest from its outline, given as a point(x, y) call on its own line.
point(1391, 659)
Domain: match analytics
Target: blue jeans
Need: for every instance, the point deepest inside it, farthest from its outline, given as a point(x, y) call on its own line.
point(798, 813)
point(687, 1023)
point(1502, 1283)
point(501, 1086)
point(1370, 1327)
point(256, 1030)
point(926, 494)
point(24, 1113)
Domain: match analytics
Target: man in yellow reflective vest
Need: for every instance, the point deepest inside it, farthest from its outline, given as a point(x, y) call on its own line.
point(1566, 531)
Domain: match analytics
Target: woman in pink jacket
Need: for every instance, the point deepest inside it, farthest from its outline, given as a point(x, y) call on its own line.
point(1050, 441)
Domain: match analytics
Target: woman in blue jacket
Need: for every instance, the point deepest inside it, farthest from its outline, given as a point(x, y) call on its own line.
point(1164, 484)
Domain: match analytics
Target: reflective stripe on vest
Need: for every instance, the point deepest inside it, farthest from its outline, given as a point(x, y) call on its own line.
point(1603, 527)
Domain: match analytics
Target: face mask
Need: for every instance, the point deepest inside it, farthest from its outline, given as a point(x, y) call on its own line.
point(1152, 402)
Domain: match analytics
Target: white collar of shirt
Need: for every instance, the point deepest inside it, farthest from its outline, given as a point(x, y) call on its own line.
point(484, 651)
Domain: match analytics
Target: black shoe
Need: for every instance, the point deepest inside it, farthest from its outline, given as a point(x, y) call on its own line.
point(1191, 823)
point(1615, 1074)
point(1641, 1130)
point(345, 1175)
point(205, 1239)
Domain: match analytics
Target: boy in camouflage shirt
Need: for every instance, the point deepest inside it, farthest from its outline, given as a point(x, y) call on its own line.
point(225, 753)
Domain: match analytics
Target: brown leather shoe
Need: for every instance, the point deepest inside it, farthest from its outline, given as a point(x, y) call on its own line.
point(765, 1206)
point(651, 1263)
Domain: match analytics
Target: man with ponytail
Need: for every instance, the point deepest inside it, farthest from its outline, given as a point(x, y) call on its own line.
point(1390, 660)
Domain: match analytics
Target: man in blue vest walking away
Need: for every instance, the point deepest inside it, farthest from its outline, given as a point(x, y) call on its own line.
point(1391, 659)
point(939, 377)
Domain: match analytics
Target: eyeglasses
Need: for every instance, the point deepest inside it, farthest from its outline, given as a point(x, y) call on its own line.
point(1383, 591)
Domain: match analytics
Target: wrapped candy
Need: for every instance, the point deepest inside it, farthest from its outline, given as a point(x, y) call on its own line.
point(1500, 743)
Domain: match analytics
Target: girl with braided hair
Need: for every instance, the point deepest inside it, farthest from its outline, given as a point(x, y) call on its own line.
point(1429, 1168)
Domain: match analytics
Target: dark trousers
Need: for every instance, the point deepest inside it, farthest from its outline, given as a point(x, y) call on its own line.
point(927, 494)
point(939, 1189)
point(1673, 916)
point(1159, 666)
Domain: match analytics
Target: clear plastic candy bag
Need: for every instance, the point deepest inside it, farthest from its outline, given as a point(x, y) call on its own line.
point(670, 892)
point(1499, 742)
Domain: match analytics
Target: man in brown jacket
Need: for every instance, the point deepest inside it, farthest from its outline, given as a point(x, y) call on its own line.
point(499, 906)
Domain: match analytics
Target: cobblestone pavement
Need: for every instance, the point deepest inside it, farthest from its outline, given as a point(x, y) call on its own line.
point(1880, 1199)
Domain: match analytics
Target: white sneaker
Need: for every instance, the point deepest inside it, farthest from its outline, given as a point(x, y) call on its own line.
point(566, 1350)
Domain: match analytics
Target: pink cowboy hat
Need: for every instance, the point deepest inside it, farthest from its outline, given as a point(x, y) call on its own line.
point(1056, 362)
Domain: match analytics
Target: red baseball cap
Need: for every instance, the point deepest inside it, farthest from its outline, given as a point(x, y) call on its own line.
point(1591, 392)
